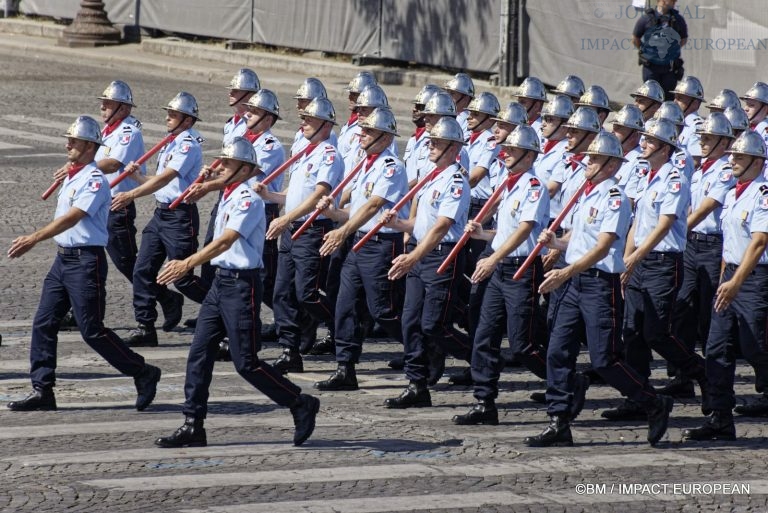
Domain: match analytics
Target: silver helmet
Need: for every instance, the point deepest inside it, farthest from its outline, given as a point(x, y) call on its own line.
point(372, 96)
point(85, 128)
point(265, 100)
point(738, 118)
point(724, 99)
point(426, 92)
point(381, 119)
point(514, 114)
point(663, 130)
point(607, 144)
point(245, 80)
point(561, 106)
point(118, 91)
point(523, 137)
point(239, 149)
point(571, 86)
point(594, 97)
point(758, 92)
point(320, 108)
point(584, 118)
point(184, 103)
point(716, 124)
point(690, 86)
point(447, 129)
point(461, 83)
point(749, 143)
point(670, 111)
point(532, 88)
point(630, 117)
point(486, 103)
point(361, 81)
point(310, 89)
point(441, 104)
point(651, 90)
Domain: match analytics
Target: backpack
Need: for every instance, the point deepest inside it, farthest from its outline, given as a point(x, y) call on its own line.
point(660, 45)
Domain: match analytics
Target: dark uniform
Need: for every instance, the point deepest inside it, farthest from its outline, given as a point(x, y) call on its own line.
point(665, 74)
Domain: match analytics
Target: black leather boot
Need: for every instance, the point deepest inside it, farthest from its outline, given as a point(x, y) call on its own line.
point(146, 386)
point(344, 378)
point(658, 418)
point(580, 387)
point(484, 412)
point(680, 387)
point(416, 395)
point(326, 345)
point(190, 434)
point(462, 378)
point(172, 304)
point(304, 413)
point(557, 434)
point(40, 399)
point(289, 361)
point(718, 426)
point(758, 408)
point(628, 410)
point(223, 354)
point(144, 335)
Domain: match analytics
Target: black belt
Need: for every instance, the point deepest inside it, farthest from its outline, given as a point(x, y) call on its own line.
point(518, 261)
point(663, 255)
point(705, 237)
point(78, 250)
point(477, 202)
point(598, 273)
point(320, 222)
point(444, 245)
point(379, 237)
point(271, 207)
point(167, 206)
point(238, 273)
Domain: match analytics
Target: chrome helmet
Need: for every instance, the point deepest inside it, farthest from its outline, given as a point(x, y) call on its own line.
point(310, 89)
point(442, 104)
point(118, 91)
point(461, 83)
point(523, 137)
point(571, 86)
point(447, 129)
point(85, 128)
point(184, 103)
point(716, 124)
point(585, 118)
point(320, 108)
point(381, 119)
point(607, 144)
point(266, 100)
point(486, 103)
point(245, 80)
point(630, 117)
point(239, 149)
point(513, 113)
point(361, 81)
point(749, 143)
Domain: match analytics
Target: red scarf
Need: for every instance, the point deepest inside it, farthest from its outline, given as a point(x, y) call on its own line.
point(706, 165)
point(752, 126)
point(512, 180)
point(588, 188)
point(434, 173)
point(352, 119)
point(652, 174)
point(236, 119)
point(229, 188)
point(741, 187)
point(370, 159)
point(473, 137)
point(251, 137)
point(574, 159)
point(549, 144)
point(418, 132)
point(111, 128)
point(74, 169)
point(502, 156)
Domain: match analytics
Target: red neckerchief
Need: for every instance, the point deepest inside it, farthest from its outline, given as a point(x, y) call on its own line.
point(706, 165)
point(236, 119)
point(588, 188)
point(574, 159)
point(531, 122)
point(502, 156)
point(251, 137)
point(74, 169)
point(652, 174)
point(473, 136)
point(352, 118)
point(111, 128)
point(741, 186)
point(229, 188)
point(752, 126)
point(370, 159)
point(418, 132)
point(435, 172)
point(512, 180)
point(549, 145)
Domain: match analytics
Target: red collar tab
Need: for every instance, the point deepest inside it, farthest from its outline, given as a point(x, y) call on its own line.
point(473, 136)
point(111, 127)
point(236, 119)
point(435, 172)
point(651, 174)
point(575, 159)
point(251, 137)
point(706, 165)
point(370, 159)
point(741, 187)
point(512, 180)
point(588, 188)
point(74, 169)
point(229, 188)
point(418, 132)
point(549, 144)
point(352, 118)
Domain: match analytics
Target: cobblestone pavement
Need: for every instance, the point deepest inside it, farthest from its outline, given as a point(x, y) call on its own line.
point(96, 453)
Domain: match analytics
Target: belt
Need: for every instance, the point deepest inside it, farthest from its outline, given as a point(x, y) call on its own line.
point(444, 245)
point(598, 273)
point(518, 261)
point(238, 273)
point(78, 250)
point(705, 237)
point(477, 202)
point(320, 222)
point(663, 255)
point(167, 206)
point(379, 237)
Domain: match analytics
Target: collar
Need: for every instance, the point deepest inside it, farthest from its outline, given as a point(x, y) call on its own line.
point(111, 128)
point(251, 137)
point(590, 186)
point(741, 187)
point(575, 159)
point(370, 159)
point(229, 188)
point(706, 165)
point(513, 179)
point(651, 174)
point(352, 119)
point(419, 132)
point(74, 169)
point(474, 135)
point(236, 119)
point(548, 145)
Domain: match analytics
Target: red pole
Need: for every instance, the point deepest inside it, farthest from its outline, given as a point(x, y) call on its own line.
point(288, 163)
point(554, 226)
point(157, 147)
point(400, 204)
point(199, 179)
point(50, 190)
point(335, 192)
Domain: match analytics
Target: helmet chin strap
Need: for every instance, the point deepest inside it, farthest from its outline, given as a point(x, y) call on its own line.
point(374, 141)
point(114, 113)
point(752, 118)
point(712, 148)
point(242, 96)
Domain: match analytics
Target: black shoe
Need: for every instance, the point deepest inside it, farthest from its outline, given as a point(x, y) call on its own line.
point(758, 408)
point(190, 323)
point(718, 426)
point(40, 399)
point(414, 396)
point(144, 335)
point(223, 354)
point(462, 378)
point(594, 377)
point(538, 397)
point(580, 387)
point(172, 304)
point(289, 361)
point(628, 410)
point(68, 322)
point(706, 409)
point(396, 363)
point(484, 412)
point(344, 378)
point(190, 434)
point(658, 418)
point(680, 388)
point(435, 365)
point(557, 434)
point(304, 413)
point(268, 333)
point(146, 386)
point(324, 346)
point(511, 361)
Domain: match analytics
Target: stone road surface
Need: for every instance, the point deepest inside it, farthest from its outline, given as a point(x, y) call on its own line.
point(96, 453)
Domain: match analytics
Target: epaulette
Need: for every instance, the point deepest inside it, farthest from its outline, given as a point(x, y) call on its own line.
point(269, 140)
point(458, 176)
point(329, 147)
point(535, 182)
point(674, 174)
point(764, 190)
point(127, 128)
point(614, 191)
point(389, 161)
point(137, 123)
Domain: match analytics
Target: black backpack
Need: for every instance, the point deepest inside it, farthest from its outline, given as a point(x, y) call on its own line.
point(660, 45)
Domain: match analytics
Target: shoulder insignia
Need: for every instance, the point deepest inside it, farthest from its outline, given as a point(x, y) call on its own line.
point(614, 201)
point(674, 174)
point(679, 160)
point(764, 190)
point(456, 191)
point(94, 184)
point(389, 161)
point(614, 191)
point(329, 147)
point(534, 194)
point(188, 138)
point(269, 140)
point(726, 175)
point(127, 128)
point(535, 182)
point(642, 167)
point(137, 123)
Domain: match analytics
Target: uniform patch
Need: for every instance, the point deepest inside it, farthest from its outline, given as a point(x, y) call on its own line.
point(725, 176)
point(456, 191)
point(534, 194)
point(184, 148)
point(125, 139)
point(244, 203)
point(642, 168)
point(329, 157)
point(614, 203)
point(764, 203)
point(491, 145)
point(389, 172)
point(674, 187)
point(94, 185)
point(679, 161)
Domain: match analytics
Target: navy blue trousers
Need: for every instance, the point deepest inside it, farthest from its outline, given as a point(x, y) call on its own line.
point(231, 308)
point(77, 279)
point(121, 246)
